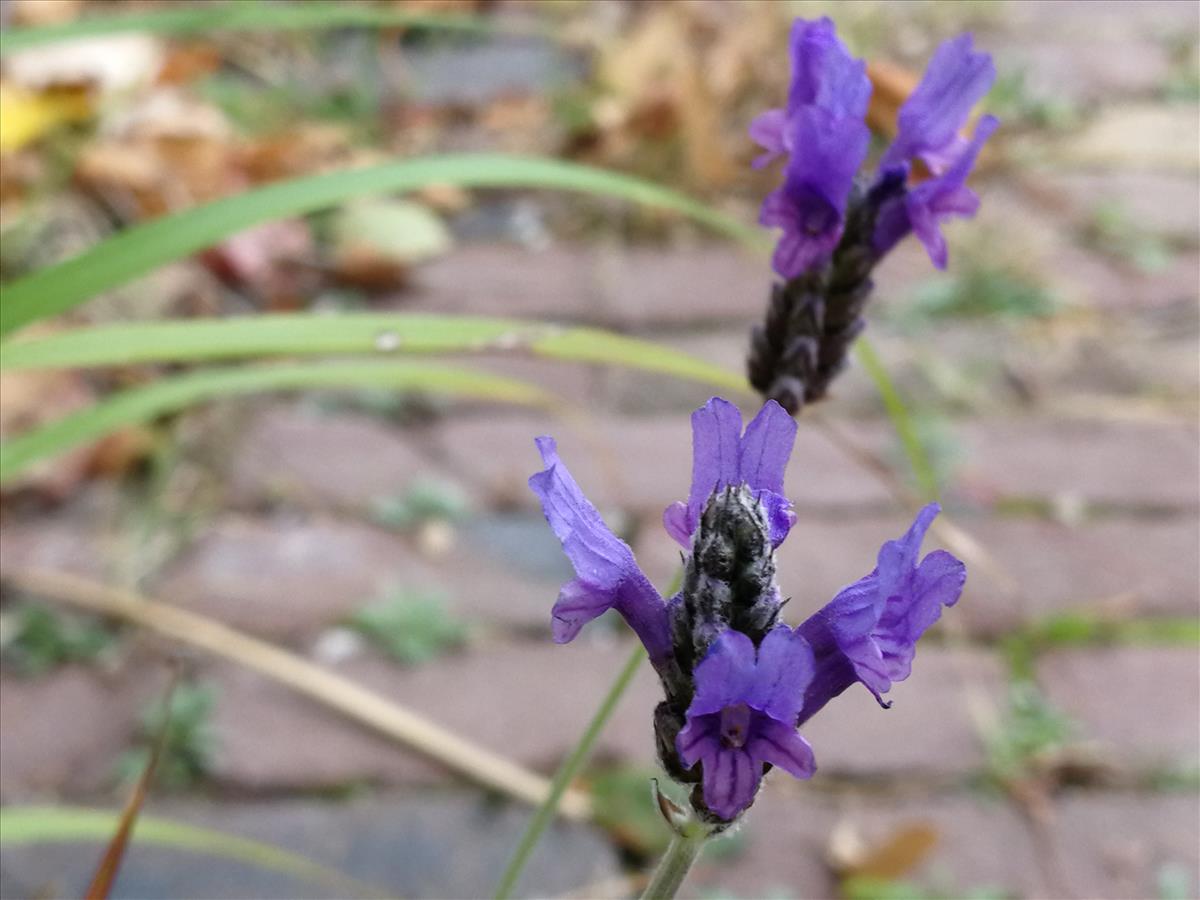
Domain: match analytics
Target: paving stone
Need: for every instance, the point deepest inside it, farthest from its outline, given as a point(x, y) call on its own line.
point(64, 731)
point(1150, 200)
point(787, 834)
point(1141, 703)
point(1117, 567)
point(528, 701)
point(928, 732)
point(504, 280)
point(716, 283)
point(1101, 462)
point(1082, 66)
point(319, 459)
point(1133, 135)
point(79, 537)
point(287, 578)
point(1118, 845)
point(622, 463)
point(631, 288)
point(444, 844)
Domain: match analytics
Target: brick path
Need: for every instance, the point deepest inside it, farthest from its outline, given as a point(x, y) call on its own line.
point(1076, 441)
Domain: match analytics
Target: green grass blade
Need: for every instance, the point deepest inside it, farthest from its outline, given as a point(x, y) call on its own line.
point(140, 249)
point(21, 825)
point(207, 340)
point(901, 419)
point(171, 394)
point(238, 16)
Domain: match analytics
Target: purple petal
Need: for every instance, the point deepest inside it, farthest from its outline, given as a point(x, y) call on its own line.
point(780, 745)
point(937, 582)
point(784, 670)
point(824, 74)
point(780, 515)
point(898, 558)
point(766, 447)
point(768, 131)
point(700, 738)
point(731, 780)
point(608, 575)
point(716, 441)
point(678, 523)
point(939, 198)
point(930, 119)
point(723, 678)
point(601, 559)
point(577, 604)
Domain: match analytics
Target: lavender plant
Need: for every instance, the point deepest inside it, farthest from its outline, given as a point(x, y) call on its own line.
point(739, 683)
point(839, 222)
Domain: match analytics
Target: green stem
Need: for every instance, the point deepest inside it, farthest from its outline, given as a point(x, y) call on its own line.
point(676, 862)
point(566, 774)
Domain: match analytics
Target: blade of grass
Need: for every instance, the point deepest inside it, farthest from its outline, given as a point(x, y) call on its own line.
point(335, 691)
point(900, 418)
point(136, 251)
point(110, 862)
point(238, 16)
point(142, 404)
point(24, 825)
point(204, 340)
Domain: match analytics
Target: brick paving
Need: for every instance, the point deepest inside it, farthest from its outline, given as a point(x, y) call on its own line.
point(1076, 448)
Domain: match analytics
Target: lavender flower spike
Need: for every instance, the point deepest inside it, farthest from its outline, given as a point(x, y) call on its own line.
point(744, 715)
point(723, 456)
point(869, 631)
point(925, 206)
point(607, 575)
point(931, 118)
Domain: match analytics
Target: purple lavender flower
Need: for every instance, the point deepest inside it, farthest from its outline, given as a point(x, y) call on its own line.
point(744, 715)
point(824, 75)
point(737, 683)
point(822, 129)
point(723, 456)
point(931, 118)
point(922, 209)
point(869, 631)
point(607, 575)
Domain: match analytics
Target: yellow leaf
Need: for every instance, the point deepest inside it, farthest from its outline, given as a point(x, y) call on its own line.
point(27, 115)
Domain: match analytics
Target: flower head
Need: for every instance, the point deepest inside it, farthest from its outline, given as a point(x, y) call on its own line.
point(737, 682)
point(606, 574)
point(722, 456)
point(744, 715)
point(823, 131)
point(869, 631)
point(931, 118)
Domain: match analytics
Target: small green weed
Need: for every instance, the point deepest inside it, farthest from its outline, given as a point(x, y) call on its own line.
point(427, 499)
point(411, 627)
point(189, 744)
point(1112, 230)
point(1032, 732)
point(42, 639)
point(1014, 101)
point(980, 291)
